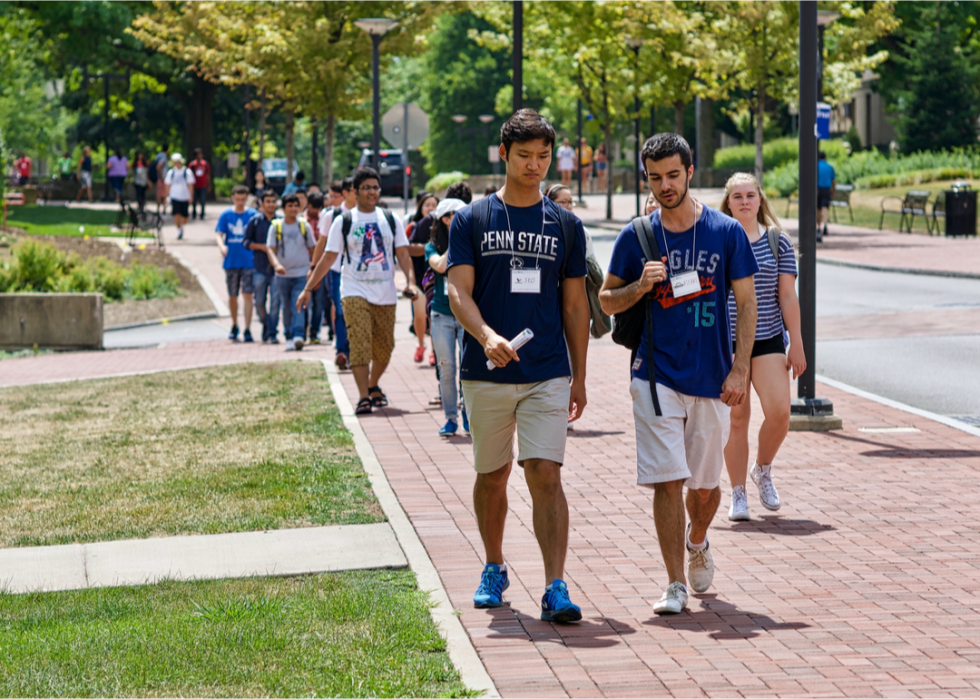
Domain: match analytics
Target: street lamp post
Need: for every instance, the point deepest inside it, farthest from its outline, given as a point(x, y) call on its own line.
point(635, 44)
point(377, 27)
point(105, 78)
point(807, 411)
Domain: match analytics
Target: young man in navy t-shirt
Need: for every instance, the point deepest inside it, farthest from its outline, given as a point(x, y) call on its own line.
point(704, 254)
point(514, 274)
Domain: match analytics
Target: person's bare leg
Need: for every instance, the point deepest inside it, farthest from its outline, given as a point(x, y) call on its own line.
point(737, 449)
point(233, 309)
point(669, 518)
point(361, 379)
point(701, 506)
point(490, 504)
point(771, 380)
point(248, 310)
point(377, 369)
point(419, 321)
point(550, 514)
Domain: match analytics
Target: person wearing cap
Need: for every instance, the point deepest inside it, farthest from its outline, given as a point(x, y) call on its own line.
point(179, 181)
point(447, 333)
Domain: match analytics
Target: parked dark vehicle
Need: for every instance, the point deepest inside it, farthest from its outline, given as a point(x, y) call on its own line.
point(275, 173)
point(393, 163)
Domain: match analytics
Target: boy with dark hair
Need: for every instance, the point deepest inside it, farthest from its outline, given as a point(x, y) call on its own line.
point(335, 197)
point(460, 190)
point(289, 245)
point(256, 234)
point(297, 185)
point(238, 264)
point(685, 383)
point(516, 262)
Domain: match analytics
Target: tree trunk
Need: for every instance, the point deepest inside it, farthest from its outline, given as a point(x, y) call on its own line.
point(679, 118)
point(198, 119)
point(290, 145)
point(760, 123)
point(328, 136)
point(262, 115)
point(607, 136)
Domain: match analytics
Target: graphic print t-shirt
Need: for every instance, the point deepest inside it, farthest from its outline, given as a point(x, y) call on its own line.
point(232, 226)
point(691, 335)
point(370, 271)
point(520, 245)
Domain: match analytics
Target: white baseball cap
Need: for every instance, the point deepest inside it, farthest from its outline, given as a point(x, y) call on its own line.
point(177, 156)
point(448, 206)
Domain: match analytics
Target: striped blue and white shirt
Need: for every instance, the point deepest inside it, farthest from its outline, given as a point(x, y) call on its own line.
point(770, 322)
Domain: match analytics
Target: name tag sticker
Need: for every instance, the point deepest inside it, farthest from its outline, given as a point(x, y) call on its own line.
point(525, 281)
point(685, 283)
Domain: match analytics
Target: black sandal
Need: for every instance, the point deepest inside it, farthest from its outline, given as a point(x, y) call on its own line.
point(380, 401)
point(363, 407)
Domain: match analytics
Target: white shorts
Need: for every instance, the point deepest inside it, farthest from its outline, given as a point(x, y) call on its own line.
point(686, 443)
point(539, 411)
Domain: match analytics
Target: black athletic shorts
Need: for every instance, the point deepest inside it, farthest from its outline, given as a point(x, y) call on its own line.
point(773, 345)
point(823, 197)
point(180, 208)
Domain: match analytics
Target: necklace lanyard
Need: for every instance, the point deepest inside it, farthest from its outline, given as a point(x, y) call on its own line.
point(694, 242)
point(511, 231)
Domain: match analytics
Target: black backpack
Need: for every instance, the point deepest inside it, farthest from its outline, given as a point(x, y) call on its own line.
point(629, 325)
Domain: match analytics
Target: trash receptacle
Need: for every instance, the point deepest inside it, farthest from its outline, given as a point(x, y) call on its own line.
point(961, 212)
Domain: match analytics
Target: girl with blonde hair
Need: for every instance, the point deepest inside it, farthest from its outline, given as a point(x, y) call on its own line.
point(778, 312)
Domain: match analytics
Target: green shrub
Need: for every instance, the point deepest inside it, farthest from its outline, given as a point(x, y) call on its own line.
point(784, 179)
point(38, 265)
point(776, 152)
point(444, 179)
point(147, 282)
point(223, 187)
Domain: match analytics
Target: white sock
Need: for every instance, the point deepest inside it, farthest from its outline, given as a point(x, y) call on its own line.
point(697, 547)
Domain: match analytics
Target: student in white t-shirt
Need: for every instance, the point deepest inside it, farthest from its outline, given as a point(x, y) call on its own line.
point(367, 283)
point(179, 182)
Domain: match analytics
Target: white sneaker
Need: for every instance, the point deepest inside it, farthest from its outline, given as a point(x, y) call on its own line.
point(767, 490)
point(673, 600)
point(700, 565)
point(739, 511)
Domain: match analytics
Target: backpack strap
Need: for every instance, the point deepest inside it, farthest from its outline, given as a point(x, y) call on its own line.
point(569, 234)
point(277, 226)
point(480, 218)
point(345, 231)
point(773, 234)
point(390, 218)
point(651, 253)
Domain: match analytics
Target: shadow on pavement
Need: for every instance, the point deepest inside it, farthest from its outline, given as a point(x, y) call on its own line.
point(588, 633)
point(723, 621)
point(592, 433)
point(890, 451)
point(781, 526)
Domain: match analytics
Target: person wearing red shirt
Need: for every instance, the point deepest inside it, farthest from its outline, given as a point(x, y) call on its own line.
point(202, 181)
point(23, 166)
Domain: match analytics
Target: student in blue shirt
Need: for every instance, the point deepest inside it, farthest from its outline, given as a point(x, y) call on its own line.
point(238, 266)
point(520, 271)
point(704, 254)
point(826, 184)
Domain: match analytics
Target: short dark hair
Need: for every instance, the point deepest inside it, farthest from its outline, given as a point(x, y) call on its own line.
point(365, 173)
point(315, 200)
point(821, 155)
point(290, 199)
point(239, 189)
point(300, 176)
point(490, 189)
point(347, 184)
point(664, 145)
point(337, 187)
point(421, 196)
point(461, 191)
point(526, 125)
point(269, 193)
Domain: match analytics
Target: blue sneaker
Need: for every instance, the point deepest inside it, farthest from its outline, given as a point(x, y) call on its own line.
point(449, 429)
point(492, 585)
point(466, 423)
point(555, 605)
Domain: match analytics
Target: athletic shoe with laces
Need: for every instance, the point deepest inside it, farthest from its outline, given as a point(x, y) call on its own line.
point(556, 606)
point(700, 564)
point(673, 600)
point(419, 354)
point(492, 585)
point(449, 429)
point(341, 361)
point(762, 477)
point(739, 511)
point(247, 336)
point(233, 335)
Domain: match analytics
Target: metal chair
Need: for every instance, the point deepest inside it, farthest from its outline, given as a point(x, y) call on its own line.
point(914, 204)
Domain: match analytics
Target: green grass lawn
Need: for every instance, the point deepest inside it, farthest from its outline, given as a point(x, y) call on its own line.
point(354, 634)
point(204, 451)
point(63, 220)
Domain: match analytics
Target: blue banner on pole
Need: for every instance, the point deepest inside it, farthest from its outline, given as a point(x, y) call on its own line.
point(823, 121)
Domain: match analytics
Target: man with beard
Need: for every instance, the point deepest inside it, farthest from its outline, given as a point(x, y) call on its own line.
point(681, 403)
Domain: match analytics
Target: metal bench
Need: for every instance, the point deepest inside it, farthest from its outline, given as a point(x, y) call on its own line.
point(914, 204)
point(841, 199)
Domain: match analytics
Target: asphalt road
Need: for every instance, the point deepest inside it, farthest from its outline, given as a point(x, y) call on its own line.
point(936, 373)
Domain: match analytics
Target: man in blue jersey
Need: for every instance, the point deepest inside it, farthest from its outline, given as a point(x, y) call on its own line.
point(516, 261)
point(238, 264)
point(695, 381)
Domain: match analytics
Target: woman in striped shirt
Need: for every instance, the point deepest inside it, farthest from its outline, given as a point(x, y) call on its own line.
point(779, 311)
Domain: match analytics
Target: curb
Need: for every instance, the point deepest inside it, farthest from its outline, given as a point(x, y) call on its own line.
point(220, 307)
point(461, 651)
point(163, 321)
point(899, 270)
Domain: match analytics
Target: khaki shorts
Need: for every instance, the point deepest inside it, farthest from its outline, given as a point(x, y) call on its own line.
point(686, 443)
point(370, 331)
point(538, 410)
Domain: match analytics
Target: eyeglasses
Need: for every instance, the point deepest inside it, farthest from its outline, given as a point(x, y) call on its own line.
point(369, 189)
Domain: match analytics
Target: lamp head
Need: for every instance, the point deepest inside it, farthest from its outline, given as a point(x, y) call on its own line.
point(376, 26)
point(459, 118)
point(486, 118)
